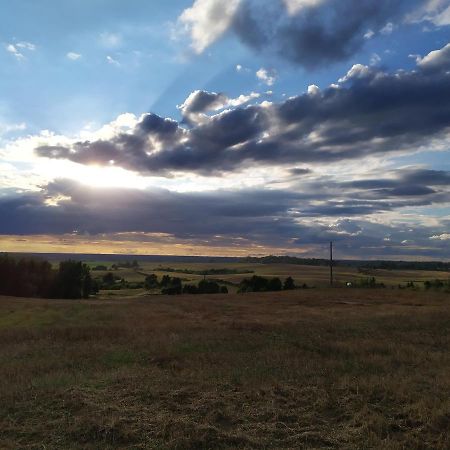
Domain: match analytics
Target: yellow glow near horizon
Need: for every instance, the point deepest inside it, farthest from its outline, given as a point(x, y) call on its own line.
point(104, 245)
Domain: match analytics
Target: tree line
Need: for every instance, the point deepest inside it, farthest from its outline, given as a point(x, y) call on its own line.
point(29, 277)
point(388, 265)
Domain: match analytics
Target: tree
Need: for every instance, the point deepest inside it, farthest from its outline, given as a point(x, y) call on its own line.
point(274, 284)
point(72, 281)
point(165, 281)
point(151, 281)
point(208, 287)
point(173, 286)
point(289, 284)
point(190, 289)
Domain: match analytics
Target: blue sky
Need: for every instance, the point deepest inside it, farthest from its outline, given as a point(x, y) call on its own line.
point(68, 69)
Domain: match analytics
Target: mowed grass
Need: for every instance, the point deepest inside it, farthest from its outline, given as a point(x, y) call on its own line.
point(350, 369)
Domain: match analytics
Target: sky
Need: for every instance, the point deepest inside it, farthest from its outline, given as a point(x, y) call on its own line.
point(245, 127)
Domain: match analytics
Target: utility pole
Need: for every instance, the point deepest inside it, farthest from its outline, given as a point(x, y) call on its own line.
point(331, 263)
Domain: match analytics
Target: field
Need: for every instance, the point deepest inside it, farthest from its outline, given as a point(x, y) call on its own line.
point(313, 276)
point(318, 368)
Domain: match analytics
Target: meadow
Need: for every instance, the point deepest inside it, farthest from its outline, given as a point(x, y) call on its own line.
point(312, 276)
point(312, 368)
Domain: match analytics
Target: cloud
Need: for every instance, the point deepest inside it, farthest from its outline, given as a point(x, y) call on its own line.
point(310, 33)
point(387, 29)
point(375, 59)
point(26, 45)
point(10, 48)
point(73, 56)
point(369, 113)
point(200, 102)
point(235, 218)
point(436, 60)
point(267, 76)
point(112, 61)
point(110, 40)
point(6, 128)
point(18, 48)
point(207, 20)
point(436, 12)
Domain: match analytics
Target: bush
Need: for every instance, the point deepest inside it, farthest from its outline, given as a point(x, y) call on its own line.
point(151, 282)
point(437, 284)
point(172, 286)
point(208, 287)
point(190, 289)
point(289, 284)
point(260, 284)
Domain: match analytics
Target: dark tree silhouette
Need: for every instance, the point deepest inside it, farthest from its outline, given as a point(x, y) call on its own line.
point(289, 284)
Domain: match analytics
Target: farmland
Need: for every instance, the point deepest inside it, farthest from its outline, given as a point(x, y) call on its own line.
point(310, 368)
point(312, 276)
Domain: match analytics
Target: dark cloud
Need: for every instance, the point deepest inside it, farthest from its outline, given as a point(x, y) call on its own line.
point(315, 34)
point(296, 171)
point(369, 113)
point(289, 218)
point(311, 33)
point(202, 101)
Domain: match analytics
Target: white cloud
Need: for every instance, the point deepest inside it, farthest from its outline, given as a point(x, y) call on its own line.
point(207, 20)
point(242, 99)
point(357, 71)
point(441, 237)
point(110, 40)
point(369, 34)
point(435, 59)
point(73, 56)
point(387, 29)
point(112, 61)
point(14, 51)
point(435, 11)
point(375, 59)
point(18, 48)
point(313, 89)
point(8, 128)
point(26, 45)
point(267, 76)
point(295, 6)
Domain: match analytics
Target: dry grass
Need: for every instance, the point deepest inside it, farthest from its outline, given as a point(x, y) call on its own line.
point(306, 369)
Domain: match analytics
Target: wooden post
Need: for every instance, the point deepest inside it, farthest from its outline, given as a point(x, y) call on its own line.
point(331, 263)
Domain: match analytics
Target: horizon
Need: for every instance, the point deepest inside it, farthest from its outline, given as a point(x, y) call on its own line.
point(218, 257)
point(199, 127)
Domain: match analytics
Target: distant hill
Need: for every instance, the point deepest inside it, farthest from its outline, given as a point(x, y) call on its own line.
point(389, 265)
point(89, 257)
point(380, 264)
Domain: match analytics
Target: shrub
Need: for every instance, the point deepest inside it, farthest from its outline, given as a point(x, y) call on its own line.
point(172, 286)
point(289, 284)
point(260, 284)
point(208, 287)
point(151, 282)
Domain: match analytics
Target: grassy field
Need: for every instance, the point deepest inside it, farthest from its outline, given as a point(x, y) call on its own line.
point(321, 368)
point(313, 276)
